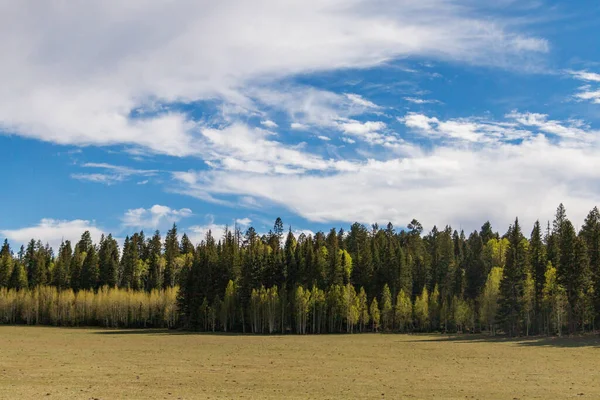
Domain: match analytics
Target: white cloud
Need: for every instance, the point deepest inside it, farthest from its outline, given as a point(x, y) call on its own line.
point(269, 124)
point(197, 233)
point(297, 126)
point(362, 128)
point(97, 88)
point(361, 101)
point(585, 76)
point(574, 129)
point(324, 138)
point(479, 130)
point(241, 148)
point(53, 232)
point(587, 92)
point(417, 100)
point(243, 222)
point(114, 174)
point(485, 174)
point(155, 217)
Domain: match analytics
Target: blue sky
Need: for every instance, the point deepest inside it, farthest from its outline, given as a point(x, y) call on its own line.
point(116, 118)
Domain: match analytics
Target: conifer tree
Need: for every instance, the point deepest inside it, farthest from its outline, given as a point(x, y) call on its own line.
point(90, 269)
point(590, 232)
point(511, 302)
point(18, 276)
point(61, 273)
point(108, 259)
point(6, 262)
point(172, 251)
point(75, 268)
point(155, 263)
point(537, 257)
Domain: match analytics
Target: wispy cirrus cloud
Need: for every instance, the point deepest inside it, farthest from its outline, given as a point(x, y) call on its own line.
point(587, 92)
point(112, 173)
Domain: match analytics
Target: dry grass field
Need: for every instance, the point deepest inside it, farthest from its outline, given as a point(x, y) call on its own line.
point(55, 363)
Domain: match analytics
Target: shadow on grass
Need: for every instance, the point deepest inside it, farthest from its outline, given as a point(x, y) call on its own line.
point(175, 332)
point(584, 340)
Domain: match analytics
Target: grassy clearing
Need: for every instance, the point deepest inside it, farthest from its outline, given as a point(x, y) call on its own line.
point(73, 363)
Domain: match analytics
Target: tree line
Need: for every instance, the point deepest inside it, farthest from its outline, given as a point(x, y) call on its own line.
point(364, 279)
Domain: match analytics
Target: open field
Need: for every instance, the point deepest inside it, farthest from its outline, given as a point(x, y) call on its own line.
point(57, 363)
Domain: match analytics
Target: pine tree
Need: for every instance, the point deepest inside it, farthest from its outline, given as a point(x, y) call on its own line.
point(537, 258)
point(61, 273)
point(590, 232)
point(572, 270)
point(6, 262)
point(90, 269)
point(172, 251)
point(155, 263)
point(108, 259)
point(75, 268)
point(18, 277)
point(511, 302)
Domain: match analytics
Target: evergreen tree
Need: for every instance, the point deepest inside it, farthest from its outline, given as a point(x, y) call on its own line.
point(186, 245)
point(6, 262)
point(172, 251)
point(90, 269)
point(108, 258)
point(537, 258)
point(75, 268)
point(18, 277)
point(155, 263)
point(61, 274)
point(590, 232)
point(511, 302)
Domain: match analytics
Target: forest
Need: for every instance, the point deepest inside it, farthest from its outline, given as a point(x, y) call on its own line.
point(366, 279)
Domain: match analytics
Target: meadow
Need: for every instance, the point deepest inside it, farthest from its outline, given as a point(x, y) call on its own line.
point(81, 363)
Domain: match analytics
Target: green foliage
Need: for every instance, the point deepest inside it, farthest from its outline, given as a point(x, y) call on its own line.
point(489, 299)
point(403, 311)
point(421, 310)
point(387, 310)
point(555, 302)
point(308, 284)
point(375, 315)
point(511, 301)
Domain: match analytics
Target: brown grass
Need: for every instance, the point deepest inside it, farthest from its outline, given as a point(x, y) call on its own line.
point(71, 363)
